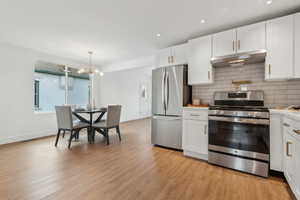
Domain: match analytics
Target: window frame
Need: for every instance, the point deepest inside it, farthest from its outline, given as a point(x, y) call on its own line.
point(36, 94)
point(66, 75)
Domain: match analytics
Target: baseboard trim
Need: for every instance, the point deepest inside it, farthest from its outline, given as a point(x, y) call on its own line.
point(195, 155)
point(26, 137)
point(37, 135)
point(137, 119)
point(293, 187)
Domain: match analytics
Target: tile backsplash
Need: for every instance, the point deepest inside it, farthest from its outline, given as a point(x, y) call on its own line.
point(277, 93)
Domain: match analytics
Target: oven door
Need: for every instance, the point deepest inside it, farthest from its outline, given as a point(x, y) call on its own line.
point(245, 137)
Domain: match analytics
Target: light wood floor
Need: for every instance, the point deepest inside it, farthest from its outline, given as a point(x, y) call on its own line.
point(132, 169)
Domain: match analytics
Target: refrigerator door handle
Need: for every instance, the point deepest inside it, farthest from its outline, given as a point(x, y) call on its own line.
point(167, 90)
point(163, 90)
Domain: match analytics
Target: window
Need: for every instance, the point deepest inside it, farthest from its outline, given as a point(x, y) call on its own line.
point(36, 94)
point(50, 87)
point(78, 92)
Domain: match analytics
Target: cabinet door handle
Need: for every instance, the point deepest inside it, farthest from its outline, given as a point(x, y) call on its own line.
point(297, 131)
point(208, 75)
point(233, 45)
point(205, 129)
point(194, 115)
point(286, 125)
point(288, 149)
point(239, 44)
point(269, 69)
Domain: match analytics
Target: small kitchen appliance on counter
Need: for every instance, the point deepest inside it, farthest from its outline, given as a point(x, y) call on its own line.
point(239, 132)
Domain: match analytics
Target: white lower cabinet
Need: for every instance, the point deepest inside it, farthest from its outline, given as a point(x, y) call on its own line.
point(297, 165)
point(287, 156)
point(195, 133)
point(276, 142)
point(291, 158)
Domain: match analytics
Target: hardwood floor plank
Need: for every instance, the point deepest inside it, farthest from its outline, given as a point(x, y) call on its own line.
point(132, 169)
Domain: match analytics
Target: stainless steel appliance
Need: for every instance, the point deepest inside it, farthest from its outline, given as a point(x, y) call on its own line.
point(238, 59)
point(239, 132)
point(170, 93)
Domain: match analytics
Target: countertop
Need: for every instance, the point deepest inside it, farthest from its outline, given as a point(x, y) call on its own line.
point(195, 108)
point(288, 113)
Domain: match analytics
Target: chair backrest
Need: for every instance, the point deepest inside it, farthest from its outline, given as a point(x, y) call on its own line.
point(73, 107)
point(113, 115)
point(64, 117)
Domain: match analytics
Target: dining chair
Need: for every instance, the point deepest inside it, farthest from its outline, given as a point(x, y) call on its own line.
point(112, 121)
point(65, 123)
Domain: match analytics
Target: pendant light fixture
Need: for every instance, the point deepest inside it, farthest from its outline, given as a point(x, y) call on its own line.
point(90, 69)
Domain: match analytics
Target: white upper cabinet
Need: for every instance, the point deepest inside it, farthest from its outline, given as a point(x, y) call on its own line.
point(243, 39)
point(251, 37)
point(175, 55)
point(279, 59)
point(179, 54)
point(163, 57)
point(200, 70)
point(224, 43)
point(280, 37)
point(297, 45)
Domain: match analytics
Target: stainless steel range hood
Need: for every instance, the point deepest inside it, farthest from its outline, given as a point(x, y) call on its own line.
point(239, 59)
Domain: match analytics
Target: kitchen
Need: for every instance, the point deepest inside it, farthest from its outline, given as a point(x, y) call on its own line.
point(229, 106)
point(148, 100)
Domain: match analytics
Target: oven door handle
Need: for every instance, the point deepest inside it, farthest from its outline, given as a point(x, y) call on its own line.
point(240, 120)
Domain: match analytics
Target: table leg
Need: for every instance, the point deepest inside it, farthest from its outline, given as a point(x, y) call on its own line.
point(100, 117)
point(91, 128)
point(81, 118)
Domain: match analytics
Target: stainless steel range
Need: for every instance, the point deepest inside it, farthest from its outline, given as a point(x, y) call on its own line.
point(239, 132)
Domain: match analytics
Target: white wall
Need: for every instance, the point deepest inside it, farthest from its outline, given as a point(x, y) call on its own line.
point(146, 61)
point(123, 87)
point(18, 120)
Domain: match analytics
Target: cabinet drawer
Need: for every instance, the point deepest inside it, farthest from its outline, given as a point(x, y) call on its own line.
point(287, 123)
point(293, 126)
point(196, 115)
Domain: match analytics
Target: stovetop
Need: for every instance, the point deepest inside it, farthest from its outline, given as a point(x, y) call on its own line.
point(240, 108)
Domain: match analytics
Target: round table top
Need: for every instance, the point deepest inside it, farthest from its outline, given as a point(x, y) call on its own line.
point(94, 110)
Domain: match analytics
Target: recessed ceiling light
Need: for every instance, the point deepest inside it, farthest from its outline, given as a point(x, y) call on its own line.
point(202, 21)
point(158, 35)
point(269, 2)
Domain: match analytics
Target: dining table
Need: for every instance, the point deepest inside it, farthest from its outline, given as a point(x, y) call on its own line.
point(90, 112)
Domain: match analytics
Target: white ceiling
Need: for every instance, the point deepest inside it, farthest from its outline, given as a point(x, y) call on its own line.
point(118, 30)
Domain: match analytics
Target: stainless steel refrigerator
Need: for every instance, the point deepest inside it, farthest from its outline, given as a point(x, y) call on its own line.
point(170, 92)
